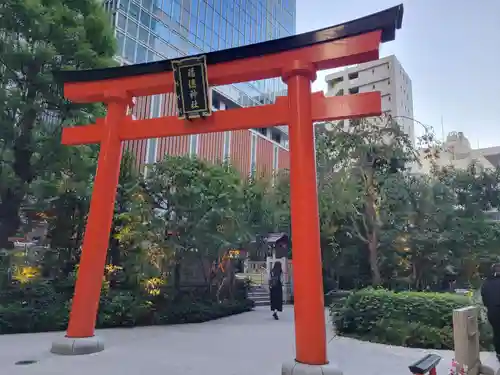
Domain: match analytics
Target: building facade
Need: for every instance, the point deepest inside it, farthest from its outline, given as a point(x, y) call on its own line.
point(385, 75)
point(152, 30)
point(457, 152)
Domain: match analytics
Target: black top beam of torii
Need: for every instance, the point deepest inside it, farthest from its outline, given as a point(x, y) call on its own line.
point(387, 21)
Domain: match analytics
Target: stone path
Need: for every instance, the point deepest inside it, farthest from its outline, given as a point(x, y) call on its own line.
point(247, 344)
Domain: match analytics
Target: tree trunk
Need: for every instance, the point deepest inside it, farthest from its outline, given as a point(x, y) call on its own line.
point(206, 275)
point(373, 249)
point(372, 229)
point(177, 275)
point(114, 252)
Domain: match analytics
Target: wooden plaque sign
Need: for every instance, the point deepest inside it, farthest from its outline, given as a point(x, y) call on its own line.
point(191, 87)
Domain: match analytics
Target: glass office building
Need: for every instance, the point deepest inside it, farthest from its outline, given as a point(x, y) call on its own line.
point(150, 30)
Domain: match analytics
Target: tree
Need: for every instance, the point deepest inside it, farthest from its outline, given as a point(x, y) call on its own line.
point(358, 162)
point(418, 218)
point(202, 205)
point(474, 238)
point(38, 37)
point(267, 205)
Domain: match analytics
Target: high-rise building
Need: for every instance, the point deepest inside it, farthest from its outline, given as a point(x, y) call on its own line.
point(385, 75)
point(151, 30)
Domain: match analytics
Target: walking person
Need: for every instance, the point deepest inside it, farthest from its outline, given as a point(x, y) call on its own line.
point(490, 292)
point(276, 289)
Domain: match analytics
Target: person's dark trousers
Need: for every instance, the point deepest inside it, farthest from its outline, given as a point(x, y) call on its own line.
point(494, 319)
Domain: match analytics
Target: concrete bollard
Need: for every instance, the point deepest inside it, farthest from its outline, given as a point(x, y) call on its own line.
point(466, 340)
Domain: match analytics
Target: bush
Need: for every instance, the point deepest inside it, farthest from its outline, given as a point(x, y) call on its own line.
point(32, 307)
point(413, 319)
point(42, 306)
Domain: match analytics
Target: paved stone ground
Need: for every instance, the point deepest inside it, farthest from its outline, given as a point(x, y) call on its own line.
point(247, 344)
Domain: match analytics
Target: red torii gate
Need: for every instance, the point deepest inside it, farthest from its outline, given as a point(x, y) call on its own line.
point(296, 59)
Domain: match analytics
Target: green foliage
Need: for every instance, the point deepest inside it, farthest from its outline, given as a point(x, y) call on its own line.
point(383, 226)
point(42, 306)
point(32, 307)
point(414, 319)
point(201, 205)
point(39, 37)
point(354, 165)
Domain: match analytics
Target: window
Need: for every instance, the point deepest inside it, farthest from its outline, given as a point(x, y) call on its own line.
point(262, 131)
point(373, 87)
point(226, 153)
point(134, 11)
point(120, 38)
point(185, 18)
point(162, 48)
point(143, 35)
point(151, 56)
point(202, 11)
point(192, 25)
point(145, 18)
point(200, 31)
point(253, 154)
point(223, 29)
point(208, 34)
point(163, 31)
point(154, 25)
point(354, 90)
point(216, 22)
point(153, 40)
point(129, 49)
point(141, 54)
point(194, 7)
point(209, 17)
point(276, 137)
point(193, 145)
point(124, 4)
point(177, 12)
point(132, 28)
point(121, 21)
point(147, 4)
point(353, 75)
point(166, 6)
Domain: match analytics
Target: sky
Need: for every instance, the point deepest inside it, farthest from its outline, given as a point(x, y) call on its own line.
point(449, 48)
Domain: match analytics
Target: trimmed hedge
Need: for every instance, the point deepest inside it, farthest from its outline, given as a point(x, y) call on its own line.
point(413, 319)
point(43, 306)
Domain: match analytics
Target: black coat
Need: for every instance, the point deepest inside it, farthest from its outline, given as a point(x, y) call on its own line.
point(276, 293)
point(490, 292)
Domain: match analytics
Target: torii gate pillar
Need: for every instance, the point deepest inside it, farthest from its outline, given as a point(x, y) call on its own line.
point(310, 334)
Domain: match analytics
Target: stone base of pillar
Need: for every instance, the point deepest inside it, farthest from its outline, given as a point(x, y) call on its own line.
point(490, 365)
point(296, 368)
point(77, 346)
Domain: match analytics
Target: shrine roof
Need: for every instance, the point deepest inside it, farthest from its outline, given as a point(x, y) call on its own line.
point(388, 21)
